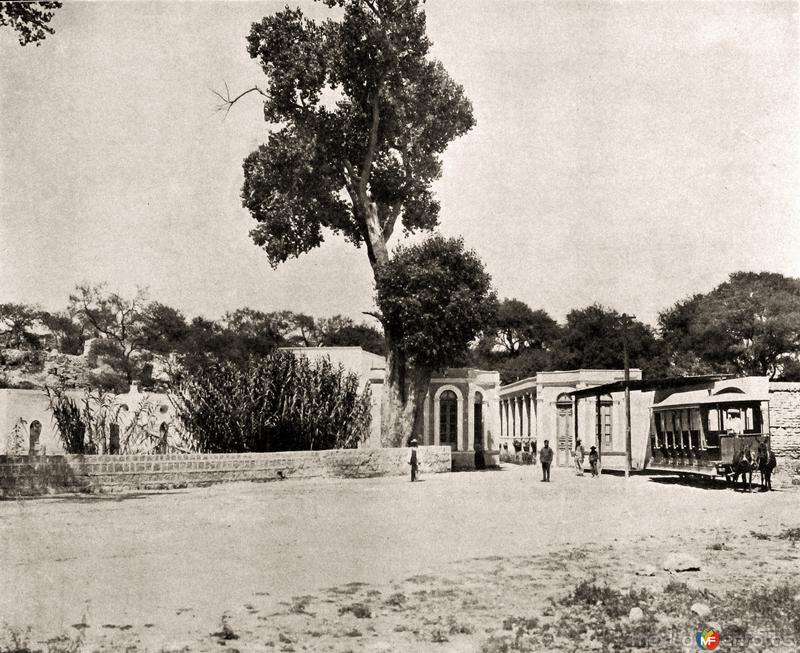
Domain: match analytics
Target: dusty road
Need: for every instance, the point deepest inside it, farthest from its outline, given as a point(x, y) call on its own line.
point(436, 565)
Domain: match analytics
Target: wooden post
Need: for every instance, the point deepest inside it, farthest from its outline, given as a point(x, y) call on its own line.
point(627, 413)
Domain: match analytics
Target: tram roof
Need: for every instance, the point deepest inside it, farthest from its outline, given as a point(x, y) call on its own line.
point(646, 385)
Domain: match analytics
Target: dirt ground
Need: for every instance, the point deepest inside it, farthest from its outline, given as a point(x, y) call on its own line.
point(485, 561)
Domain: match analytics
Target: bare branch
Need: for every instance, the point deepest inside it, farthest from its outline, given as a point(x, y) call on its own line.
point(377, 316)
point(227, 101)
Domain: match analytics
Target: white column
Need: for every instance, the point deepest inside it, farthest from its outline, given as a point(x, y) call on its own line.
point(471, 389)
point(427, 436)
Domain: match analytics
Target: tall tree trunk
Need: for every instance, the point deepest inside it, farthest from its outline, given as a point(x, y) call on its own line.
point(402, 406)
point(404, 389)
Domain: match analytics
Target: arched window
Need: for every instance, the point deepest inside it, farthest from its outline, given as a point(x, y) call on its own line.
point(448, 418)
point(35, 433)
point(564, 400)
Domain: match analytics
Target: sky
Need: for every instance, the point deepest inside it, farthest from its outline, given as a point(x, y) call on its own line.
point(629, 154)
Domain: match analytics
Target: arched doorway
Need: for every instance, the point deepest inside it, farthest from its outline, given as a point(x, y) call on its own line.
point(35, 435)
point(564, 429)
point(113, 439)
point(477, 414)
point(478, 431)
point(448, 419)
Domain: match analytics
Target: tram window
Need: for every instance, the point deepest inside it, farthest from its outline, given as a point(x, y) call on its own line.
point(713, 420)
point(748, 419)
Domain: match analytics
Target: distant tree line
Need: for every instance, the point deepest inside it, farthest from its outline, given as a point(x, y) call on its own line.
point(126, 334)
point(750, 324)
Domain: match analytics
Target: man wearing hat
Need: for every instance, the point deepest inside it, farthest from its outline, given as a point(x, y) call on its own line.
point(593, 458)
point(413, 461)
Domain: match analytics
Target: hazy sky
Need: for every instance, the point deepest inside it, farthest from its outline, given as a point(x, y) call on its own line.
point(627, 153)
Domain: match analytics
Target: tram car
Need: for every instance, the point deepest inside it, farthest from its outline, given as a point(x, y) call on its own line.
point(702, 430)
point(686, 425)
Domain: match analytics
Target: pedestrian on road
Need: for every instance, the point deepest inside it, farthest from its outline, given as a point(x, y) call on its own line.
point(546, 457)
point(413, 462)
point(772, 463)
point(593, 460)
point(579, 458)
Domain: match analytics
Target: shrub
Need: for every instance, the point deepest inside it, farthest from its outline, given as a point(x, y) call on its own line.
point(68, 419)
point(276, 403)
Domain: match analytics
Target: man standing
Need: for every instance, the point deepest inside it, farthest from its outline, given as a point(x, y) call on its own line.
point(546, 457)
point(593, 458)
point(413, 462)
point(579, 458)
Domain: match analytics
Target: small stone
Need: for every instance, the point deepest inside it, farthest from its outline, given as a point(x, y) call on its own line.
point(701, 609)
point(636, 614)
point(681, 562)
point(647, 570)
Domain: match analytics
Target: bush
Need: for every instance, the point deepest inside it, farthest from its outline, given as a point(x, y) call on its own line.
point(68, 419)
point(274, 403)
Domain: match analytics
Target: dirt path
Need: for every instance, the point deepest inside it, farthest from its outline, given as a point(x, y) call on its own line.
point(452, 558)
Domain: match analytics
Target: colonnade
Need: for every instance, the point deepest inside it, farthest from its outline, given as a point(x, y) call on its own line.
point(518, 416)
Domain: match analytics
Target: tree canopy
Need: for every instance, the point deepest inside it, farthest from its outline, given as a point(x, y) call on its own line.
point(749, 324)
point(361, 115)
point(29, 19)
point(435, 298)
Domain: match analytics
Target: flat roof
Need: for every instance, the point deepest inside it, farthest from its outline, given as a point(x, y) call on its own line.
point(649, 384)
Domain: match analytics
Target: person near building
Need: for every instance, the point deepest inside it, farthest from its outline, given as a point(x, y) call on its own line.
point(593, 460)
point(772, 463)
point(414, 461)
point(579, 454)
point(546, 457)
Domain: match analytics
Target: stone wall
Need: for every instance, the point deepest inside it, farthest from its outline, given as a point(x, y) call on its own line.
point(784, 421)
point(34, 475)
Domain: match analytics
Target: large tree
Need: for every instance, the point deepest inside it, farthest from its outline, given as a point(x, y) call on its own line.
point(749, 324)
point(29, 19)
point(118, 322)
point(434, 300)
point(16, 325)
point(596, 337)
point(360, 116)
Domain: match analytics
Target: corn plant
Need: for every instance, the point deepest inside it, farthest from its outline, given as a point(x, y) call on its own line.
point(67, 417)
point(275, 403)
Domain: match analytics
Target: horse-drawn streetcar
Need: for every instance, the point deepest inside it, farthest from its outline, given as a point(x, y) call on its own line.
point(690, 425)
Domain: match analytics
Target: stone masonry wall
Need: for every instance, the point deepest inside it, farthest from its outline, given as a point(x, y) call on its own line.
point(35, 475)
point(784, 422)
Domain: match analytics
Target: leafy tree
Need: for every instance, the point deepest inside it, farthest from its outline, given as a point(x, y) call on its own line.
point(164, 328)
point(29, 19)
point(361, 115)
point(120, 324)
point(518, 327)
point(69, 333)
point(746, 325)
point(434, 298)
point(595, 337)
point(16, 322)
point(350, 334)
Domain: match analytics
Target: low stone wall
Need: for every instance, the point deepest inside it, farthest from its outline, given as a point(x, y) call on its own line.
point(34, 475)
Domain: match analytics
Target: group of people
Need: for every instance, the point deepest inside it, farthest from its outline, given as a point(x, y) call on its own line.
point(745, 461)
point(546, 458)
point(580, 454)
